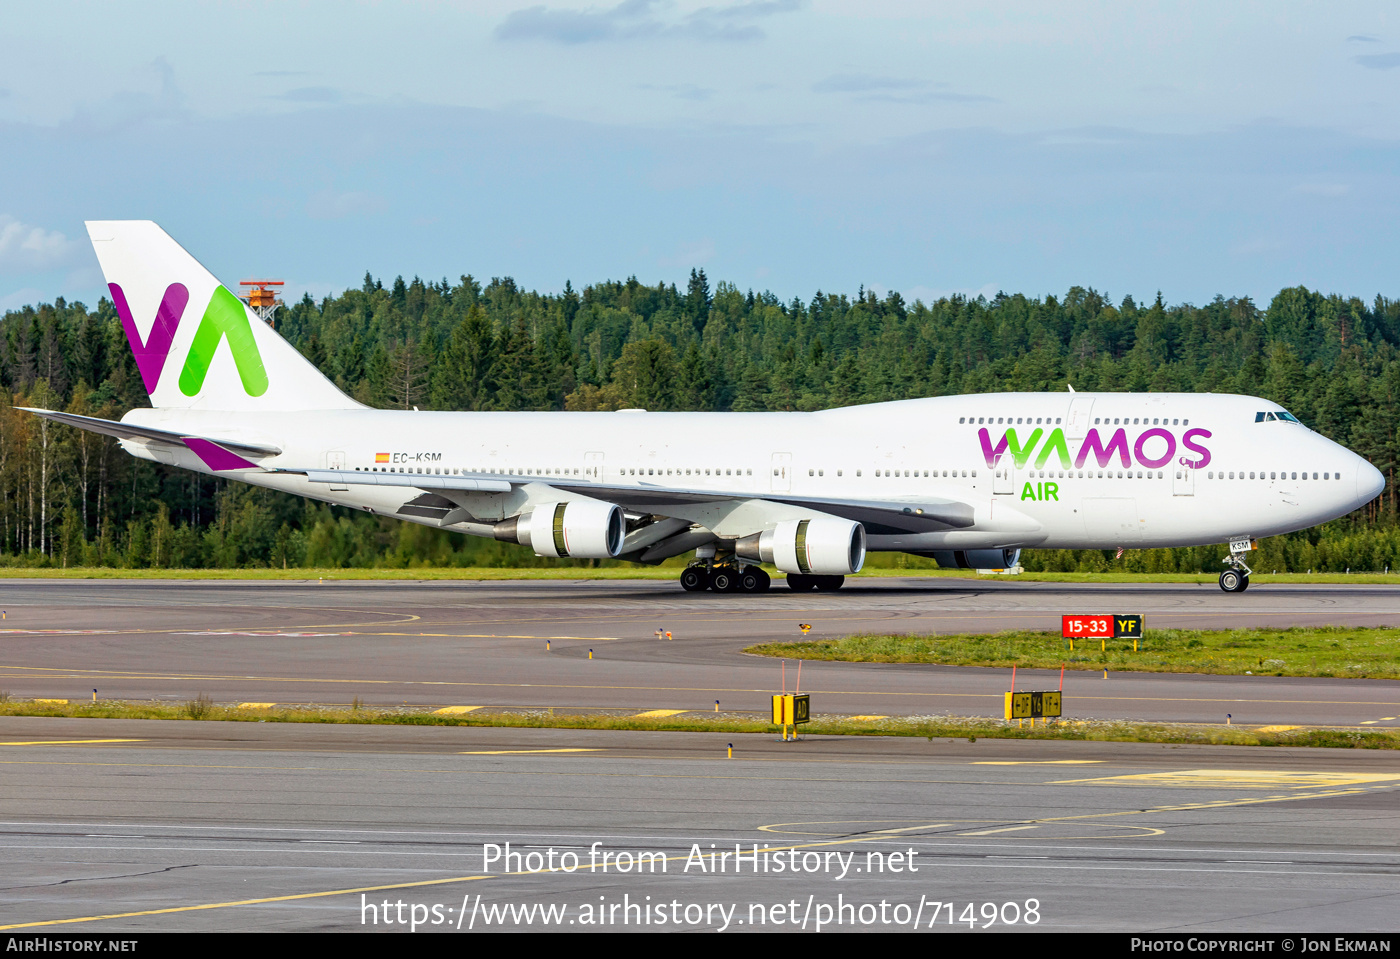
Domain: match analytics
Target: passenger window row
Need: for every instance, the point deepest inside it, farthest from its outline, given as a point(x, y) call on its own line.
point(1009, 420)
point(915, 473)
point(1275, 475)
point(1141, 421)
point(1055, 421)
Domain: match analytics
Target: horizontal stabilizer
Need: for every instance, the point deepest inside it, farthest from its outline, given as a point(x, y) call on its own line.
point(217, 454)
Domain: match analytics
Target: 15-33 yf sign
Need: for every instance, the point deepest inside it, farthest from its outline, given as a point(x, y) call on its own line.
point(1102, 626)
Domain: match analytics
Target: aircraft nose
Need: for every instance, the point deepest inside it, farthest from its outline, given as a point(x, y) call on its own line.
point(1369, 482)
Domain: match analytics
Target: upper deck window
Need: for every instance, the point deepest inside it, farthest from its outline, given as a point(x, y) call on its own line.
point(1274, 415)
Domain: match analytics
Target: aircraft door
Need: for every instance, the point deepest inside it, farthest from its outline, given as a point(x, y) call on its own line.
point(1077, 423)
point(593, 467)
point(1183, 480)
point(782, 472)
point(334, 460)
point(1003, 476)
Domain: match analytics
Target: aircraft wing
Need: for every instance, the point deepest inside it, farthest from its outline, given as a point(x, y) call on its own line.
point(879, 517)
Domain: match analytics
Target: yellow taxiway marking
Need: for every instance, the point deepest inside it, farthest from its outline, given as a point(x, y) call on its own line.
point(244, 902)
point(256, 705)
point(659, 713)
point(581, 639)
point(1037, 762)
point(58, 672)
point(1143, 831)
point(866, 719)
point(73, 742)
point(1242, 778)
point(454, 710)
point(519, 752)
point(391, 619)
point(53, 702)
point(1276, 729)
point(837, 842)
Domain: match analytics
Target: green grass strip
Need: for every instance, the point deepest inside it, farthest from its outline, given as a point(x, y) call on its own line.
point(1325, 651)
point(929, 727)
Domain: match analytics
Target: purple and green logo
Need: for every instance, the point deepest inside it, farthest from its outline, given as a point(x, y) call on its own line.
point(224, 317)
point(1152, 448)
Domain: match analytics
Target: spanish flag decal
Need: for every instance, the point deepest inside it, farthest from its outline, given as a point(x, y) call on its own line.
point(381, 457)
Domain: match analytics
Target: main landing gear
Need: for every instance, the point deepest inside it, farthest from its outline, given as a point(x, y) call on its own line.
point(725, 578)
point(723, 572)
point(731, 578)
point(1236, 578)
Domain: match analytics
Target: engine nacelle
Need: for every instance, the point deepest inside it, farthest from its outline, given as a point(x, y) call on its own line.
point(976, 558)
point(822, 547)
point(583, 529)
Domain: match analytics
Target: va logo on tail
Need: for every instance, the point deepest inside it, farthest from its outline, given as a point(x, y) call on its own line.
point(224, 317)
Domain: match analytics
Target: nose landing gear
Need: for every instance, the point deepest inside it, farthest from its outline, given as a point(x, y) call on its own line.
point(1236, 578)
point(1234, 581)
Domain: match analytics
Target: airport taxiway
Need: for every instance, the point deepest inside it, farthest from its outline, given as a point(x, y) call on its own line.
point(245, 826)
point(112, 826)
point(485, 644)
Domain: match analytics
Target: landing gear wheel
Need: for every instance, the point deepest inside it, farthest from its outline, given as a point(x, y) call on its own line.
point(800, 583)
point(1233, 581)
point(724, 580)
point(828, 583)
point(695, 579)
point(753, 580)
point(1244, 583)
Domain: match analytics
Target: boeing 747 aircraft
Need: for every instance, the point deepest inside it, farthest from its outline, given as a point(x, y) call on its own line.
point(967, 480)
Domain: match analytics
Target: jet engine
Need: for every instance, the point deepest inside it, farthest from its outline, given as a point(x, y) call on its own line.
point(822, 547)
point(584, 529)
point(975, 558)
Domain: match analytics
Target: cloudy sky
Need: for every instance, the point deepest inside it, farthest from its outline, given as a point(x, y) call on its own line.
point(791, 145)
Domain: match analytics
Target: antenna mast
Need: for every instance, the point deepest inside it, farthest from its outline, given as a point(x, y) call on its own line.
point(260, 299)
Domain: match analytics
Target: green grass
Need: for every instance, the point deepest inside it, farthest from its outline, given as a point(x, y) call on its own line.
point(1354, 652)
point(929, 727)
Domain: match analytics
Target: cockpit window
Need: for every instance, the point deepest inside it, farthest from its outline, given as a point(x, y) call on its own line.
point(1269, 417)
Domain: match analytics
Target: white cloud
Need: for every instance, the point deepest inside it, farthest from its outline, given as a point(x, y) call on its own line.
point(24, 247)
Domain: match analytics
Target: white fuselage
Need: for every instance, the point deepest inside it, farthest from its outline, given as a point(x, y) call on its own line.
point(1037, 469)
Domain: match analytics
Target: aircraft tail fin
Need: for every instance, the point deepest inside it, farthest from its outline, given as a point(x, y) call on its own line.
point(197, 346)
